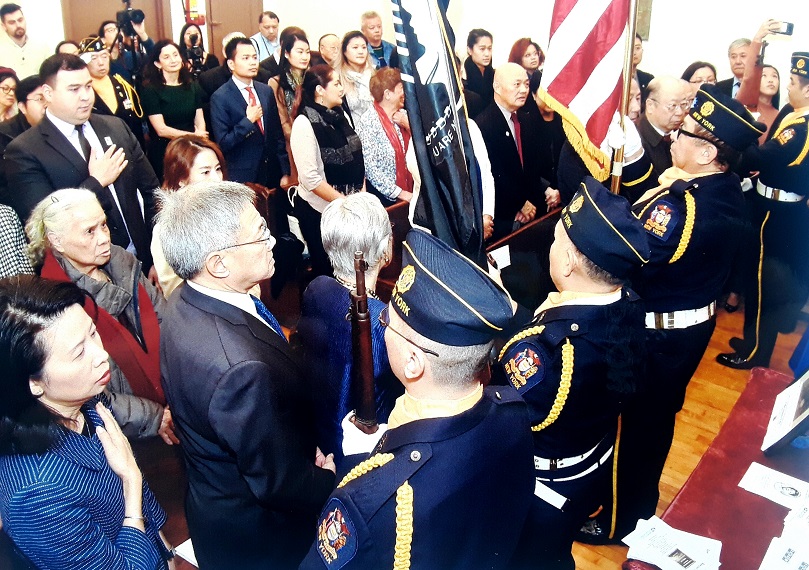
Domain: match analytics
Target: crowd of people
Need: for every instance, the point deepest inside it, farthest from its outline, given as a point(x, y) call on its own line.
point(133, 248)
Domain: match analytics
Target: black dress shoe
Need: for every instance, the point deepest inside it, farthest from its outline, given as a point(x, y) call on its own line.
point(730, 308)
point(736, 361)
point(594, 533)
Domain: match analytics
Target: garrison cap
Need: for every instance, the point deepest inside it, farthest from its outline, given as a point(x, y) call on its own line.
point(601, 225)
point(90, 46)
point(800, 63)
point(725, 118)
point(443, 296)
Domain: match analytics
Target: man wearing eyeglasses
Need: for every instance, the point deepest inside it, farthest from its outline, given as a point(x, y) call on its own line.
point(449, 483)
point(666, 106)
point(692, 220)
point(238, 397)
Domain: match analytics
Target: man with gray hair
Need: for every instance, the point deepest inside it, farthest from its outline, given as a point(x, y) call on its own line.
point(737, 55)
point(382, 53)
point(256, 478)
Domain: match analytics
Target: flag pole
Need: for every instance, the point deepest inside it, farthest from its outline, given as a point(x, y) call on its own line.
point(618, 155)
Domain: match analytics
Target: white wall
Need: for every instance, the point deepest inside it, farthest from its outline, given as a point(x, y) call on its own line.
point(681, 31)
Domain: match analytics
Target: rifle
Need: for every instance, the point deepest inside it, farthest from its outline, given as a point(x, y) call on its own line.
point(362, 369)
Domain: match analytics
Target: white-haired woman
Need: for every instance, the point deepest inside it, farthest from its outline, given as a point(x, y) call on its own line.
point(357, 222)
point(70, 241)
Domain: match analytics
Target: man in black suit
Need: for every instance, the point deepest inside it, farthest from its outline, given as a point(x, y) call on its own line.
point(737, 55)
point(516, 193)
point(71, 148)
point(245, 122)
point(666, 106)
point(238, 398)
point(31, 105)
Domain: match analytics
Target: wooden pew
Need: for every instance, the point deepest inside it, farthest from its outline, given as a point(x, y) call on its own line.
point(527, 279)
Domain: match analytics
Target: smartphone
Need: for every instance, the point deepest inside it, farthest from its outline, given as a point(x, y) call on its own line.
point(785, 29)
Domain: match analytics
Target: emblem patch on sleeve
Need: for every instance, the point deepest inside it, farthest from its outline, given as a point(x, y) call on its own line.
point(525, 367)
point(336, 535)
point(785, 136)
point(660, 219)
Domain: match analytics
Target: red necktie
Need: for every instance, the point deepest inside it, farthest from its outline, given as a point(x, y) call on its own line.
point(517, 138)
point(252, 98)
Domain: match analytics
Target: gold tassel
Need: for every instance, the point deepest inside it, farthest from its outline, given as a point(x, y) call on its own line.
point(404, 527)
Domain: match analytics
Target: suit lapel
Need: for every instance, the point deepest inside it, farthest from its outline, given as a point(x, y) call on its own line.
point(60, 144)
point(237, 317)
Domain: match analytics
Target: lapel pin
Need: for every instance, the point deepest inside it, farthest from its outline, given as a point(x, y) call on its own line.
point(108, 140)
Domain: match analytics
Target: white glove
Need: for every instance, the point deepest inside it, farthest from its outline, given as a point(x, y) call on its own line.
point(355, 440)
point(615, 135)
point(633, 143)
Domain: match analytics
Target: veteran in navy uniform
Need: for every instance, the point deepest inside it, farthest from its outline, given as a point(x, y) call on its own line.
point(449, 483)
point(575, 364)
point(692, 220)
point(777, 281)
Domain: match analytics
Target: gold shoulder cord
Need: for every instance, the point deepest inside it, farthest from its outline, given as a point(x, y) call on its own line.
point(132, 94)
point(404, 527)
point(369, 464)
point(519, 336)
point(688, 227)
point(564, 387)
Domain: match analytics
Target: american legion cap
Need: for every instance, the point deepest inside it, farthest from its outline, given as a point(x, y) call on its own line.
point(725, 118)
point(601, 225)
point(445, 297)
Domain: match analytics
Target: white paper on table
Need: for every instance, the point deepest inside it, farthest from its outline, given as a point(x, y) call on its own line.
point(778, 487)
point(186, 550)
point(786, 554)
point(655, 542)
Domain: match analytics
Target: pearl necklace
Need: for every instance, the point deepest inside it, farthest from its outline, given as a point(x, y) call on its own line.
point(353, 287)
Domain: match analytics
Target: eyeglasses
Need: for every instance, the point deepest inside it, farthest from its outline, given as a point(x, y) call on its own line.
point(384, 320)
point(671, 107)
point(38, 99)
point(701, 81)
point(7, 90)
point(265, 236)
point(693, 136)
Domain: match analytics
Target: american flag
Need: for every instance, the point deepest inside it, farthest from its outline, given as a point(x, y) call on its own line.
point(581, 79)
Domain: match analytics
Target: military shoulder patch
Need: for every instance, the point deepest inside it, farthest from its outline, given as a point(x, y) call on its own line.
point(661, 218)
point(337, 540)
point(525, 365)
point(785, 136)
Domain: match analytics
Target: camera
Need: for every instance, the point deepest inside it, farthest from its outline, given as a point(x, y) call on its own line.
point(194, 55)
point(127, 17)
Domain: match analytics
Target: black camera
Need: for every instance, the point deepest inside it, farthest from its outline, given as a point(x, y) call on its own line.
point(128, 17)
point(195, 51)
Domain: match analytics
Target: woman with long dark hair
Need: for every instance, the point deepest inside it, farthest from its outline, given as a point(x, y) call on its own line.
point(171, 99)
point(327, 153)
point(192, 48)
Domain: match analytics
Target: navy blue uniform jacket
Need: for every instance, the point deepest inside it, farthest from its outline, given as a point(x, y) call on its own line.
point(468, 478)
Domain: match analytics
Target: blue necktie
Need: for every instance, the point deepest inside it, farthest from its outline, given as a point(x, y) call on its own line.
point(268, 317)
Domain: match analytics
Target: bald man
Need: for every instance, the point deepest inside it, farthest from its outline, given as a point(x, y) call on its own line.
point(666, 107)
point(516, 192)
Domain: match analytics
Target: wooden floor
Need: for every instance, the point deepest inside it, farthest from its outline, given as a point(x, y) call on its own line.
point(711, 395)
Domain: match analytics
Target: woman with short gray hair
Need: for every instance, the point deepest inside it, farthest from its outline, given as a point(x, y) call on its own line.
point(355, 223)
point(70, 241)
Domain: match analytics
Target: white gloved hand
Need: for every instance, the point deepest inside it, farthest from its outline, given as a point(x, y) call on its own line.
point(615, 135)
point(633, 142)
point(355, 440)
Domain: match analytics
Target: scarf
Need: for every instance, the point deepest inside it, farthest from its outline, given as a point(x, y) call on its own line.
point(669, 177)
point(404, 179)
point(340, 147)
point(140, 367)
